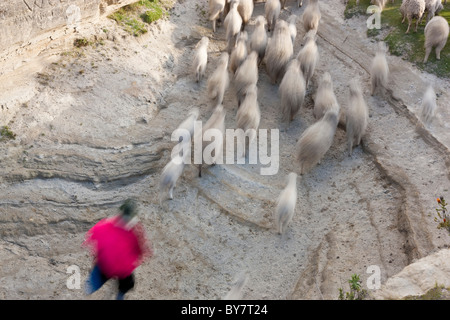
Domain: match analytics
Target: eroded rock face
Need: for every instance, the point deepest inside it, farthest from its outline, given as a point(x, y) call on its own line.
point(30, 26)
point(418, 278)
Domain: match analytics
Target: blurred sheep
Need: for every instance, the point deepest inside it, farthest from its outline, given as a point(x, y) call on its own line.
point(246, 75)
point(239, 52)
point(436, 35)
point(232, 23)
point(316, 140)
point(201, 58)
point(245, 9)
point(311, 16)
point(272, 10)
point(308, 57)
point(286, 203)
point(379, 71)
point(279, 51)
point(219, 80)
point(357, 116)
point(258, 39)
point(325, 98)
point(428, 107)
point(292, 91)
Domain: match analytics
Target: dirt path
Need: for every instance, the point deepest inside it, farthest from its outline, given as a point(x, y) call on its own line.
point(96, 130)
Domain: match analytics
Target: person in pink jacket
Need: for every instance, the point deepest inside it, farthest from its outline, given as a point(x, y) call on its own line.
point(119, 246)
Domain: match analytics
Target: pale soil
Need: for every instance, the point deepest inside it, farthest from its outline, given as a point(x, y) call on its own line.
point(93, 130)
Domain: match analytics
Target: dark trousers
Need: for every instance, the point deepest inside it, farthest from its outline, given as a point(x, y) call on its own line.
point(97, 279)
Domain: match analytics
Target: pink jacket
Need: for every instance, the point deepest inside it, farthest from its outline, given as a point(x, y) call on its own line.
point(117, 251)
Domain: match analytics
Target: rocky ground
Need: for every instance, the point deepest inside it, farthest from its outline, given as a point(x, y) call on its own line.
point(93, 128)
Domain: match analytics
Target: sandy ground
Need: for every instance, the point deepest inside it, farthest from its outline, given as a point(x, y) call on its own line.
point(93, 128)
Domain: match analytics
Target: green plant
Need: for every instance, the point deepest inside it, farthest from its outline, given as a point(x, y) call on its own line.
point(135, 16)
point(81, 42)
point(442, 214)
point(355, 293)
point(408, 46)
point(6, 134)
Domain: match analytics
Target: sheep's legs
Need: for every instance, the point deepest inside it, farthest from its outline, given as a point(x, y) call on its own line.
point(427, 53)
point(171, 192)
point(438, 50)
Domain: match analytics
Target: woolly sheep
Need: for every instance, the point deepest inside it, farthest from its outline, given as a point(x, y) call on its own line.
point(246, 75)
point(357, 116)
point(272, 10)
point(292, 27)
point(315, 141)
point(292, 91)
point(239, 52)
point(325, 98)
point(279, 51)
point(412, 9)
point(215, 121)
point(428, 109)
point(433, 7)
point(169, 177)
point(258, 39)
point(219, 80)
point(201, 58)
point(286, 203)
point(215, 10)
point(308, 57)
point(436, 35)
point(379, 71)
point(245, 9)
point(249, 115)
point(233, 23)
point(311, 16)
point(188, 123)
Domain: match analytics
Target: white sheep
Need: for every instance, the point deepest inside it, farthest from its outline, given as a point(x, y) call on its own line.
point(308, 57)
point(272, 10)
point(286, 204)
point(246, 75)
point(428, 107)
point(436, 35)
point(258, 39)
point(219, 80)
point(170, 175)
point(412, 9)
point(248, 115)
point(379, 70)
point(232, 23)
point(239, 52)
point(215, 121)
point(292, 91)
point(188, 123)
point(357, 116)
point(292, 27)
point(325, 98)
point(432, 8)
point(311, 16)
point(315, 141)
point(245, 9)
point(279, 51)
point(215, 10)
point(201, 58)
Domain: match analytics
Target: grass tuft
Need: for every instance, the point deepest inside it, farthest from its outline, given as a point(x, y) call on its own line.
point(408, 46)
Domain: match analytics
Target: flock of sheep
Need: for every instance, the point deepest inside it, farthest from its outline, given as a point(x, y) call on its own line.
point(271, 43)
